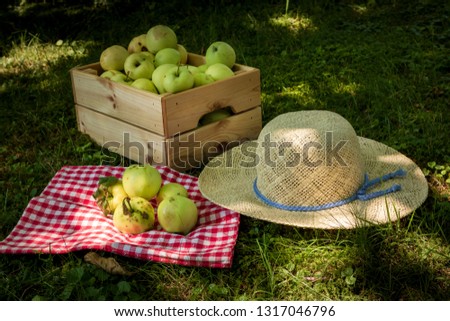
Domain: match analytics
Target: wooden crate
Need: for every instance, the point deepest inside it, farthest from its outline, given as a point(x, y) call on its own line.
point(184, 151)
point(163, 129)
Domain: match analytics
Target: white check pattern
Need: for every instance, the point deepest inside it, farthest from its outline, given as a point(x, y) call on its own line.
point(65, 218)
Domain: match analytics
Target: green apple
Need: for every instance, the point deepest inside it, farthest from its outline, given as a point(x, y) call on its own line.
point(214, 116)
point(167, 56)
point(134, 215)
point(141, 180)
point(149, 56)
point(113, 58)
point(139, 65)
point(184, 54)
point(138, 44)
point(109, 194)
point(191, 68)
point(178, 79)
point(222, 52)
point(200, 79)
point(171, 189)
point(158, 76)
point(177, 214)
point(109, 73)
point(219, 71)
point(121, 78)
point(202, 68)
point(159, 37)
point(144, 84)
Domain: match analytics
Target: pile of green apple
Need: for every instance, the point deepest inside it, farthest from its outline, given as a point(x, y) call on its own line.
point(128, 200)
point(156, 62)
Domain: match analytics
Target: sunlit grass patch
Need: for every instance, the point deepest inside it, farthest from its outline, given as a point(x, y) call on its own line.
point(307, 267)
point(361, 8)
point(294, 23)
point(30, 58)
point(31, 53)
point(346, 88)
point(302, 93)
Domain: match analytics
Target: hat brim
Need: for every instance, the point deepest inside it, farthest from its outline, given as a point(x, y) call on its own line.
point(226, 181)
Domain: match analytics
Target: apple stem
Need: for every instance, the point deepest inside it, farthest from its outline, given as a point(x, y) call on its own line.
point(127, 206)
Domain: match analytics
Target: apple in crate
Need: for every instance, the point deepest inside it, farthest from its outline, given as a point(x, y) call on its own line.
point(158, 76)
point(200, 79)
point(219, 71)
point(139, 65)
point(191, 68)
point(141, 180)
point(121, 78)
point(110, 73)
point(214, 116)
point(113, 58)
point(144, 84)
point(202, 68)
point(222, 52)
point(184, 54)
point(159, 37)
point(177, 214)
point(138, 44)
point(134, 215)
point(167, 56)
point(178, 79)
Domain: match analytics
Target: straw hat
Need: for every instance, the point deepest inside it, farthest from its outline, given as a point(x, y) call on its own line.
point(310, 169)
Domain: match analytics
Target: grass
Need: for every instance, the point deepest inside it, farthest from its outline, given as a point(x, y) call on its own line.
point(383, 66)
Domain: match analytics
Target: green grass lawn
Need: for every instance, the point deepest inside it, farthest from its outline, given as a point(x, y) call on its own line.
point(385, 66)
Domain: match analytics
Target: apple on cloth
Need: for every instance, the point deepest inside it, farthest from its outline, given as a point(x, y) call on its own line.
point(66, 218)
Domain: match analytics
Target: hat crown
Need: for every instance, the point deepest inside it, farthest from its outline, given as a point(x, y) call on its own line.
point(312, 165)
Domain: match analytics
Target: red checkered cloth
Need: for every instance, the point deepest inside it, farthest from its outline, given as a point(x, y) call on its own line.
point(65, 218)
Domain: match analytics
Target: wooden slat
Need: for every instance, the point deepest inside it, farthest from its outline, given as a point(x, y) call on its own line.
point(183, 110)
point(192, 149)
point(120, 101)
point(182, 152)
point(127, 140)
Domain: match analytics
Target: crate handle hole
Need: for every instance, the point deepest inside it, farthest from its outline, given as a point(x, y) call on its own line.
point(215, 115)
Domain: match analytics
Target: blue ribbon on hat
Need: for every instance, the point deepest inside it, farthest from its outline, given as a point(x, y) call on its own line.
point(361, 194)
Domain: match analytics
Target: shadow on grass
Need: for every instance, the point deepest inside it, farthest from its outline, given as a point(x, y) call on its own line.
point(387, 262)
point(399, 265)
